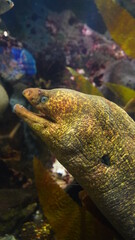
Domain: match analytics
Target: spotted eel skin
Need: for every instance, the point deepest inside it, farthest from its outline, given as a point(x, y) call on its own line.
point(95, 140)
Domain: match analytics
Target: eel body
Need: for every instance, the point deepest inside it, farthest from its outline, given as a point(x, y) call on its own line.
point(95, 140)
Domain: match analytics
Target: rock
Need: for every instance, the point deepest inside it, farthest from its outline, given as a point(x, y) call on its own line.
point(8, 237)
point(4, 100)
point(119, 72)
point(20, 204)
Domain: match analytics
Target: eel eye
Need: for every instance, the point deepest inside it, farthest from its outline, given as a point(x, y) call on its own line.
point(44, 99)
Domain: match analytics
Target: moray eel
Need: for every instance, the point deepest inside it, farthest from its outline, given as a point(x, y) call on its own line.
point(95, 140)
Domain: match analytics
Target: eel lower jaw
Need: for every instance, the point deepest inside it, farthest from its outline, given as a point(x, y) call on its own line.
point(31, 117)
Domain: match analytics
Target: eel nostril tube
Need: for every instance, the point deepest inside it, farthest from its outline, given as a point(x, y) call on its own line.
point(27, 93)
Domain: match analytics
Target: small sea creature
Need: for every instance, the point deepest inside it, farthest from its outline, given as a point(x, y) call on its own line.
point(95, 140)
point(5, 5)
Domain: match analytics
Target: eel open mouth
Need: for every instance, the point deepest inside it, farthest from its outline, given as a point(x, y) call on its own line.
point(30, 117)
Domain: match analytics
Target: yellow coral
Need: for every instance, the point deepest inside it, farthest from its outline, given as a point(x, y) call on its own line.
point(31, 231)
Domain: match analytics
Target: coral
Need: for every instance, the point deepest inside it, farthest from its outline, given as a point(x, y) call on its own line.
point(31, 231)
point(51, 64)
point(120, 24)
point(60, 40)
point(16, 61)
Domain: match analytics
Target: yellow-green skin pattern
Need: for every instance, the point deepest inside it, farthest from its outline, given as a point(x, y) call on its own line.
point(81, 130)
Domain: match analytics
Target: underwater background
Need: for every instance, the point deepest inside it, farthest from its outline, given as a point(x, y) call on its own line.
point(77, 44)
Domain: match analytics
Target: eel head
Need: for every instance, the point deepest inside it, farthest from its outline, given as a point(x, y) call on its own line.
point(59, 112)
